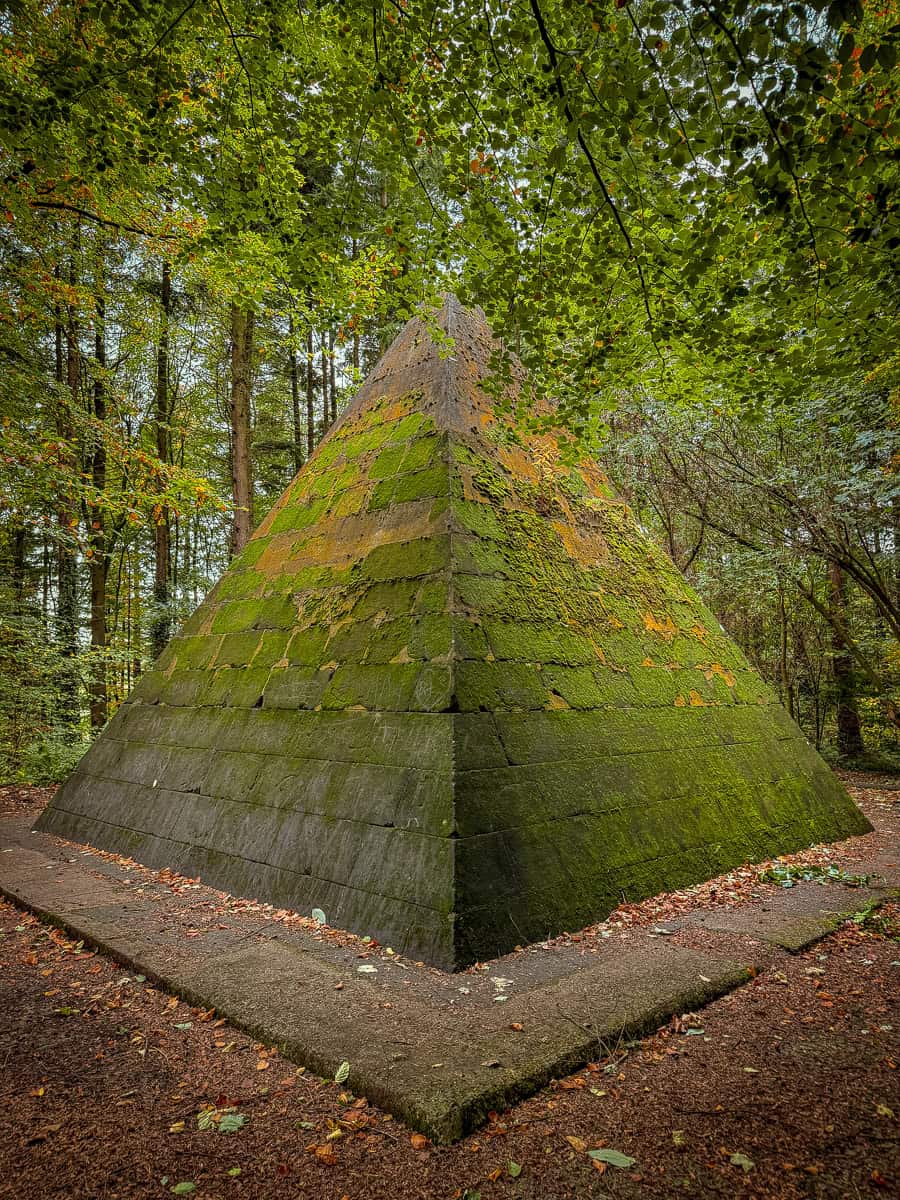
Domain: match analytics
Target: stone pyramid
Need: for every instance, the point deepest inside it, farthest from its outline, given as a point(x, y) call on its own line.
point(450, 694)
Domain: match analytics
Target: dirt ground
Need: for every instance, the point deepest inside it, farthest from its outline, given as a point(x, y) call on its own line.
point(788, 1087)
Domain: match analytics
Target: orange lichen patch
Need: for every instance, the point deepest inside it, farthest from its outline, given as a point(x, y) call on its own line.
point(615, 623)
point(597, 482)
point(339, 542)
point(696, 699)
point(470, 491)
point(666, 629)
point(680, 702)
point(556, 701)
point(520, 462)
point(392, 412)
point(586, 546)
point(648, 662)
point(350, 502)
point(699, 632)
point(722, 672)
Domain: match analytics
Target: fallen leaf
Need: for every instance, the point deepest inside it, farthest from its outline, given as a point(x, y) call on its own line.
point(342, 1072)
point(615, 1158)
point(262, 1064)
point(576, 1143)
point(741, 1160)
point(514, 1169)
point(418, 1140)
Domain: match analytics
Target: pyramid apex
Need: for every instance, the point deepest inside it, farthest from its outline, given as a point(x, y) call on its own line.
point(446, 378)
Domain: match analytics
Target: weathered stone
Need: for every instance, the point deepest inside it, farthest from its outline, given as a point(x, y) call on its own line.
point(450, 694)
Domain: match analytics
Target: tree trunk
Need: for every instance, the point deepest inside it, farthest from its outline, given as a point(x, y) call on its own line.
point(241, 463)
point(849, 733)
point(787, 689)
point(332, 389)
point(295, 398)
point(66, 579)
point(310, 396)
point(97, 548)
point(160, 625)
point(326, 412)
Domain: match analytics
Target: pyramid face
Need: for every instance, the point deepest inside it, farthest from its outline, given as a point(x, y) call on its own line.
point(450, 694)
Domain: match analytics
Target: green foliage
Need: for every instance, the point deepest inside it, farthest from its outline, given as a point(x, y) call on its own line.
point(786, 875)
point(680, 215)
point(51, 758)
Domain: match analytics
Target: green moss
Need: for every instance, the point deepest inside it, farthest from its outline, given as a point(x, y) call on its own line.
point(527, 642)
point(387, 464)
point(193, 653)
point(433, 596)
point(492, 482)
point(295, 687)
point(398, 560)
point(479, 519)
point(386, 687)
point(296, 516)
point(469, 640)
point(474, 557)
point(307, 647)
point(236, 616)
point(240, 585)
point(489, 686)
point(419, 485)
point(236, 649)
point(391, 596)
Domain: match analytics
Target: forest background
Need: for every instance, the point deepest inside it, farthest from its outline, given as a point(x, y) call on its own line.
point(216, 214)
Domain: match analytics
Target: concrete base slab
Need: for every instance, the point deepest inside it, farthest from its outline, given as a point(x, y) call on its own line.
point(439, 1051)
point(799, 919)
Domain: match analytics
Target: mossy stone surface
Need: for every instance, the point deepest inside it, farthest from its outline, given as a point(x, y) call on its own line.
point(451, 694)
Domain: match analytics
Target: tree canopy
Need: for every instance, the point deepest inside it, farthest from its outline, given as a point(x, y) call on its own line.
point(681, 216)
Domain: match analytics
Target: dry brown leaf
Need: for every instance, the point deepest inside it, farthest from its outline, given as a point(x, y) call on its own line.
point(418, 1140)
point(576, 1143)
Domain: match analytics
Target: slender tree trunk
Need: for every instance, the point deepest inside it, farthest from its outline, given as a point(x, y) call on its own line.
point(355, 327)
point(332, 389)
point(849, 733)
point(136, 617)
point(160, 625)
point(97, 547)
point(310, 396)
point(787, 689)
point(241, 462)
point(295, 398)
point(19, 546)
point(326, 411)
point(66, 578)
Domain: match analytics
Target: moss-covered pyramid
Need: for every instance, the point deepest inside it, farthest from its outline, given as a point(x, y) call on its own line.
point(450, 694)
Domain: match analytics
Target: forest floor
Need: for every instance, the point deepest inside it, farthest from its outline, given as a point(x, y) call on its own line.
point(787, 1087)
